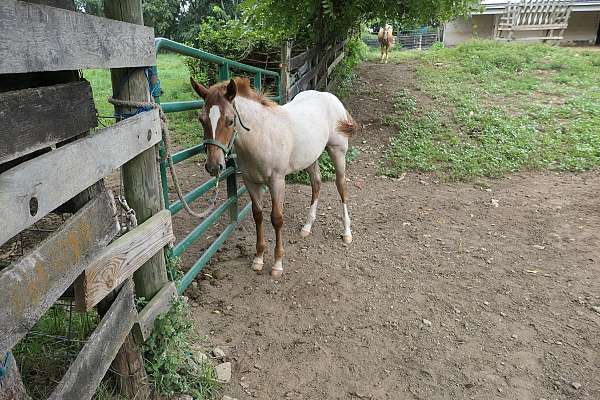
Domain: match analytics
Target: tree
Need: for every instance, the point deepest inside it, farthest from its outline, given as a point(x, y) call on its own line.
point(163, 16)
point(329, 17)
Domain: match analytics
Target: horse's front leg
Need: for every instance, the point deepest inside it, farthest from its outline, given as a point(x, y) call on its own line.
point(256, 196)
point(382, 54)
point(277, 189)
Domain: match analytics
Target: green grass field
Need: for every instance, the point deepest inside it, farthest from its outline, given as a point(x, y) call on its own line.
point(487, 109)
point(175, 78)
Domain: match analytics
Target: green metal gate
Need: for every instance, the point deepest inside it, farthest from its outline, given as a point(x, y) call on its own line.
point(231, 205)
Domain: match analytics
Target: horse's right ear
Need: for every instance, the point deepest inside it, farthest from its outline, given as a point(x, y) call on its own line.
point(201, 90)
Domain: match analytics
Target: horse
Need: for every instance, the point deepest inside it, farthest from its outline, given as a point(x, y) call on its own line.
point(386, 41)
point(271, 141)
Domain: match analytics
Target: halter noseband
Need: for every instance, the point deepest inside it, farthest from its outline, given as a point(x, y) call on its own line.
point(227, 150)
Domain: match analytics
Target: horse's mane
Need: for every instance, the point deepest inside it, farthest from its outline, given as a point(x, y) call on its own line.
point(244, 89)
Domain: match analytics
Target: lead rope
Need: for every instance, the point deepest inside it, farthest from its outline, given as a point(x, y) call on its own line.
point(166, 138)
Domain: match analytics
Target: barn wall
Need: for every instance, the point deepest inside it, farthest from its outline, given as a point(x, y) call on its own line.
point(461, 30)
point(583, 27)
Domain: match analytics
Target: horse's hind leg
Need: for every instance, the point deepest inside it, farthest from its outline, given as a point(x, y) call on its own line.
point(277, 188)
point(256, 196)
point(338, 156)
point(315, 181)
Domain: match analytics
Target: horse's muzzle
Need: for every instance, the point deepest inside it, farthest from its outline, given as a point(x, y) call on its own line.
point(214, 169)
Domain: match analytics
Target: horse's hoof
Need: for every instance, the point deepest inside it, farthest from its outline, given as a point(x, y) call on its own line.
point(257, 265)
point(276, 273)
point(304, 233)
point(347, 239)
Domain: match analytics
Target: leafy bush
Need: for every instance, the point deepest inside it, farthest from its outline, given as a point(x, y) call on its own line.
point(343, 74)
point(170, 362)
point(231, 39)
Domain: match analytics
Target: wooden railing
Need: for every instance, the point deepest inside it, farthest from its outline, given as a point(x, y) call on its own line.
point(310, 69)
point(47, 160)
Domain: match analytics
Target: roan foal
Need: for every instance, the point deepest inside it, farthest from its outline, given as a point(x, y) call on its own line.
point(271, 141)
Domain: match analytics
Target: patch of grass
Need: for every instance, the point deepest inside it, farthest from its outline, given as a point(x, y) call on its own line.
point(491, 108)
point(173, 367)
point(175, 82)
point(46, 353)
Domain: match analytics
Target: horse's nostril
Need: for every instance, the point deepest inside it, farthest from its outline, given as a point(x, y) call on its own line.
point(221, 167)
point(206, 168)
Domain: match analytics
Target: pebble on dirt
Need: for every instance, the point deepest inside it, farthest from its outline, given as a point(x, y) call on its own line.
point(596, 308)
point(228, 398)
point(218, 353)
point(427, 322)
point(576, 385)
point(223, 372)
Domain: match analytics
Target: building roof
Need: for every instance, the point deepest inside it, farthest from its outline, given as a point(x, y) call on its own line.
point(497, 6)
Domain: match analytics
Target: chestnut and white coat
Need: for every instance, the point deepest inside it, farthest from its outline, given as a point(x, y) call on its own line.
point(273, 141)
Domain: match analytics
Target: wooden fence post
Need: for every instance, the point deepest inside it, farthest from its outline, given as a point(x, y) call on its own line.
point(141, 179)
point(143, 193)
point(286, 55)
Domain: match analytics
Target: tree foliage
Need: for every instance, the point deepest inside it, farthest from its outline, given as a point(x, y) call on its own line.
point(331, 16)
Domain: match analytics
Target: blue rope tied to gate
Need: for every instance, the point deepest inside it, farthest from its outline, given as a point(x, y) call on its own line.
point(5, 365)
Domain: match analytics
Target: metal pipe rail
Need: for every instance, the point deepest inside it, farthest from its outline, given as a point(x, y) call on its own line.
point(233, 194)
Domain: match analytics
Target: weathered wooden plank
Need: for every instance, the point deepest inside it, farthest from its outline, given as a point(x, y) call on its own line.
point(32, 284)
point(297, 61)
point(66, 4)
point(31, 190)
point(122, 258)
point(43, 38)
point(158, 306)
point(85, 374)
point(33, 119)
point(302, 83)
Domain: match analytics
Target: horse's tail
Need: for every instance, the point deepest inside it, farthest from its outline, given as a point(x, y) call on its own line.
point(347, 127)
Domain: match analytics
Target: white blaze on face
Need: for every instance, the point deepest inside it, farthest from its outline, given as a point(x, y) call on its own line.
point(214, 114)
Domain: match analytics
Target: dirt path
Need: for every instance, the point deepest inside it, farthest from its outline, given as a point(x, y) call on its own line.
point(441, 295)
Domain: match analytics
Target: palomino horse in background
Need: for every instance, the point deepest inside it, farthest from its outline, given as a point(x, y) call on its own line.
point(386, 41)
point(271, 141)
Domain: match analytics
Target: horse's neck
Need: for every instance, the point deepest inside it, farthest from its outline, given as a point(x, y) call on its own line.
point(258, 118)
point(252, 114)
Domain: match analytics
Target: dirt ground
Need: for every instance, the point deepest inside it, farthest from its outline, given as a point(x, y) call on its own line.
point(449, 291)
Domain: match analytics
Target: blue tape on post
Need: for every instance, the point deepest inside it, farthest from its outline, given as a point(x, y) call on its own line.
point(5, 365)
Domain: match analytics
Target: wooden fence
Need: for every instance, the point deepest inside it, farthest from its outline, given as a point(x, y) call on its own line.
point(310, 69)
point(49, 162)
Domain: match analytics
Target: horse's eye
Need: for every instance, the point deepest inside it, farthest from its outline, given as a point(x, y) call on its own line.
point(229, 122)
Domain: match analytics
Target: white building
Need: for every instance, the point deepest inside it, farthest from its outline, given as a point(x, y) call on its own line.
point(584, 23)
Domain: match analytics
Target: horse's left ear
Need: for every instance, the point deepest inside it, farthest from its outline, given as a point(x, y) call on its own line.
point(231, 90)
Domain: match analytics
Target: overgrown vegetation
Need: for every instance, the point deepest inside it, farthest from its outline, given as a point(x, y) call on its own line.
point(48, 350)
point(172, 365)
point(487, 109)
point(344, 73)
point(233, 39)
